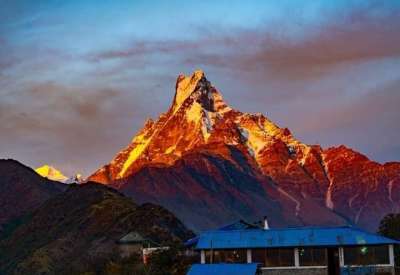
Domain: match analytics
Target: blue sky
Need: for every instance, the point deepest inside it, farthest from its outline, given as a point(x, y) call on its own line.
point(328, 70)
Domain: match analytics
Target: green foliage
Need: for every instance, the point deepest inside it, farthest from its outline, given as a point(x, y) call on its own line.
point(390, 227)
point(169, 262)
point(8, 228)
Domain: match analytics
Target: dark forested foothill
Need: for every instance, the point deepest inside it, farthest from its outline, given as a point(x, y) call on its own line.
point(77, 232)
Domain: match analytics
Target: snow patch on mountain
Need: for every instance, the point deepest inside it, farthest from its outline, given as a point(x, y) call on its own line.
point(328, 197)
point(306, 152)
point(208, 122)
point(195, 113)
point(257, 139)
point(390, 188)
point(245, 136)
point(218, 102)
point(297, 203)
point(351, 200)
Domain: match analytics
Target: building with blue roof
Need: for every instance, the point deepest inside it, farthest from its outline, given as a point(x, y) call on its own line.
point(302, 250)
point(239, 225)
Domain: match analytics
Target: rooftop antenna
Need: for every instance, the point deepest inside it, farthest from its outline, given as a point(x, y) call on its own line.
point(266, 226)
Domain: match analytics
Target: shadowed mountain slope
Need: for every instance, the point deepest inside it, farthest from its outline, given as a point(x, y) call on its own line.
point(22, 190)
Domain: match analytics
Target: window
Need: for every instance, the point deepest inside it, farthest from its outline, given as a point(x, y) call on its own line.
point(366, 255)
point(312, 256)
point(208, 256)
point(275, 257)
point(226, 256)
point(230, 256)
point(382, 254)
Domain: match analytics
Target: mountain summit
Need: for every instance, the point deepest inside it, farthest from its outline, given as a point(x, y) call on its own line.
point(210, 163)
point(51, 173)
point(198, 116)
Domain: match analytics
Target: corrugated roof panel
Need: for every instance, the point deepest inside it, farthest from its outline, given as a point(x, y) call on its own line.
point(291, 237)
point(223, 269)
point(238, 225)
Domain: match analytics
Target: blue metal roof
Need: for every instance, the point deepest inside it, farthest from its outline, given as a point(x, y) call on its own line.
point(238, 225)
point(191, 242)
point(223, 269)
point(289, 237)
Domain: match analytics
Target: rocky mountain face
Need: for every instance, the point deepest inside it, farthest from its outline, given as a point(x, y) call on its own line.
point(22, 190)
point(209, 164)
point(77, 231)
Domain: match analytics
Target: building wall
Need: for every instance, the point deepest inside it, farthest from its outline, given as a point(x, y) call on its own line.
point(385, 270)
point(377, 270)
point(323, 271)
point(126, 250)
point(295, 271)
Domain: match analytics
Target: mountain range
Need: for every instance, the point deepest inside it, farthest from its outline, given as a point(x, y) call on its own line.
point(209, 164)
point(52, 228)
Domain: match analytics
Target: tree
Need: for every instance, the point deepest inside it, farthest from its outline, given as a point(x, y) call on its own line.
point(163, 262)
point(390, 227)
point(171, 261)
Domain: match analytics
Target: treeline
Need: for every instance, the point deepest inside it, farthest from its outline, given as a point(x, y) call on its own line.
point(390, 227)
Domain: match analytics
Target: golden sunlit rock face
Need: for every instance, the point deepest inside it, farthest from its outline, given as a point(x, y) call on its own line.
point(190, 147)
point(198, 116)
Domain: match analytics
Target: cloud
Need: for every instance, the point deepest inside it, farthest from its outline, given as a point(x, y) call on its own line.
point(72, 128)
point(354, 41)
point(258, 54)
point(86, 105)
point(368, 123)
point(142, 48)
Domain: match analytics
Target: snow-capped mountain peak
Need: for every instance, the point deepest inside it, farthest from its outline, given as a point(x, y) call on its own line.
point(197, 89)
point(48, 171)
point(198, 116)
point(185, 85)
point(51, 173)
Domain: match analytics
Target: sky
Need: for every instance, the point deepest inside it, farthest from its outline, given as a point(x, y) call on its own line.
point(78, 79)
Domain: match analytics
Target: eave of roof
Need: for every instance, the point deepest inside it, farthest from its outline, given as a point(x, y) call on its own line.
point(238, 225)
point(223, 269)
point(289, 237)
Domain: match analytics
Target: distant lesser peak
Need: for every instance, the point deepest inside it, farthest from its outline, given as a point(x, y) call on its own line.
point(51, 173)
